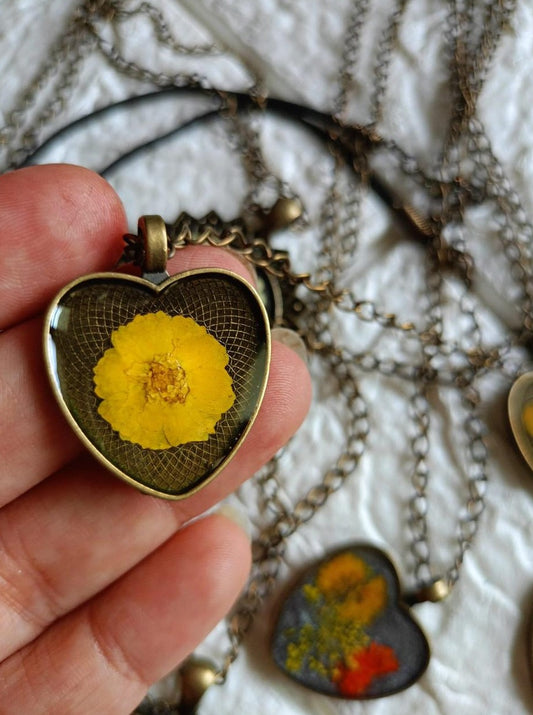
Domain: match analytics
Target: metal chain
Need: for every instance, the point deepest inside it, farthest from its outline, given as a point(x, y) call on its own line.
point(58, 76)
point(162, 30)
point(263, 184)
point(425, 358)
point(56, 79)
point(430, 341)
point(330, 221)
point(340, 217)
point(383, 60)
point(350, 54)
point(270, 545)
point(136, 71)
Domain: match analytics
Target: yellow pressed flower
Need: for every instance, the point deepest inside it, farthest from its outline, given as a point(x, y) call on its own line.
point(164, 382)
point(324, 640)
point(363, 603)
point(351, 585)
point(340, 574)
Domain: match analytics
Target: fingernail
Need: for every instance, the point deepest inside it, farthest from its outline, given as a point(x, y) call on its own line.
point(237, 516)
point(292, 340)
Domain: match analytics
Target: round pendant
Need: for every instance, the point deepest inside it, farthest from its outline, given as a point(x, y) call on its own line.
point(520, 408)
point(343, 630)
point(161, 382)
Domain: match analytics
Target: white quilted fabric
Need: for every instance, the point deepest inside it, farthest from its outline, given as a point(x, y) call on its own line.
point(478, 636)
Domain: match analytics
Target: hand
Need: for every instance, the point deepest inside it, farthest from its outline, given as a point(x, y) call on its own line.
point(103, 590)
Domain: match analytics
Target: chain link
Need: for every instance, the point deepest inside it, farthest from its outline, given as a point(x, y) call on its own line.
point(383, 60)
point(58, 75)
point(162, 30)
point(350, 54)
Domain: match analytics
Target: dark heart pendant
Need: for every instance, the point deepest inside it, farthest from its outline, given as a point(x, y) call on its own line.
point(160, 377)
point(520, 408)
point(343, 630)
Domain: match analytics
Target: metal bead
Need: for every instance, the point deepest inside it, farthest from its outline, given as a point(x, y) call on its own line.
point(282, 214)
point(197, 674)
point(436, 591)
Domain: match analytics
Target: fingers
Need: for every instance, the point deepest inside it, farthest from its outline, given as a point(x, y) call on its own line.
point(87, 516)
point(84, 516)
point(57, 222)
point(283, 410)
point(134, 632)
point(40, 439)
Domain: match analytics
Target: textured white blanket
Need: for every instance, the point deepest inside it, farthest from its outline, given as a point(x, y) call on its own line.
point(478, 636)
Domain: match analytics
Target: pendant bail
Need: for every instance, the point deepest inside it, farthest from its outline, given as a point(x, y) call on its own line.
point(434, 591)
point(153, 232)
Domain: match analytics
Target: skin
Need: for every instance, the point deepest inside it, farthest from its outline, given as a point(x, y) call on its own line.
point(103, 590)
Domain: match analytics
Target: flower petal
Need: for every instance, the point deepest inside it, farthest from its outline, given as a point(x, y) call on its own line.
point(140, 406)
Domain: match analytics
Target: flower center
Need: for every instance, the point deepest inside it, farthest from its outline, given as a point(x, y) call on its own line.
point(166, 380)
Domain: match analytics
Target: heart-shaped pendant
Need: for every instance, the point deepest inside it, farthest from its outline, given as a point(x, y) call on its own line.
point(161, 380)
point(520, 408)
point(343, 630)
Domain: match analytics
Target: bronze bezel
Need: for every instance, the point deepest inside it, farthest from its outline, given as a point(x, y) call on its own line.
point(113, 277)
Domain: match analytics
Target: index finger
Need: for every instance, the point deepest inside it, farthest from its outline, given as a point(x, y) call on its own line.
point(56, 222)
